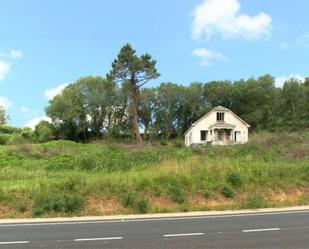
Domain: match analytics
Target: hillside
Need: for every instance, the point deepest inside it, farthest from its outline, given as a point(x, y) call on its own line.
point(62, 178)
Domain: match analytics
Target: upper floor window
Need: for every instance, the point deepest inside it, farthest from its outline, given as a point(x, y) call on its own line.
point(220, 116)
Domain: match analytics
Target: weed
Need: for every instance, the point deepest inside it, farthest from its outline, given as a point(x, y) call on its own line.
point(176, 193)
point(235, 179)
point(142, 205)
point(255, 201)
point(228, 192)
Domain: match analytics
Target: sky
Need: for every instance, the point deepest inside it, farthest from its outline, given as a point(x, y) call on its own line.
point(46, 45)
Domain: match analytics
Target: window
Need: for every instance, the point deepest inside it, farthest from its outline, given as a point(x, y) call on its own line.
point(204, 135)
point(220, 116)
point(220, 135)
point(237, 136)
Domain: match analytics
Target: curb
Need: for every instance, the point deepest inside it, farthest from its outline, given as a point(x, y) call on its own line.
point(153, 216)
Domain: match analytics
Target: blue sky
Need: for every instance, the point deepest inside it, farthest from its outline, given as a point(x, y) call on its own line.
point(47, 44)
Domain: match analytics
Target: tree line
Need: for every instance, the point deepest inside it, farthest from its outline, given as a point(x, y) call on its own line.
point(121, 106)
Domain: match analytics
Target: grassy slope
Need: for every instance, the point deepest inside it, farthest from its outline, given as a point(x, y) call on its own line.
point(66, 178)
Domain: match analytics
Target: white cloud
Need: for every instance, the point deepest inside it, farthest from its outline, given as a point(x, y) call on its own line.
point(4, 69)
point(24, 109)
point(207, 56)
point(4, 65)
point(279, 81)
point(224, 17)
point(15, 54)
point(12, 54)
point(52, 92)
point(33, 122)
point(5, 102)
point(284, 45)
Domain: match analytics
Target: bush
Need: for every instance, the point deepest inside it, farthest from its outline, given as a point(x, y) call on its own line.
point(228, 192)
point(128, 199)
point(56, 203)
point(6, 129)
point(207, 193)
point(235, 179)
point(142, 205)
point(44, 131)
point(255, 201)
point(176, 193)
point(4, 138)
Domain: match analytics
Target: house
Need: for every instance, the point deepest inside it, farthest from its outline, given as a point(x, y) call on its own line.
point(220, 126)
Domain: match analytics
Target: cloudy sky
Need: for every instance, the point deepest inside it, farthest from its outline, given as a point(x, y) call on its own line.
point(45, 45)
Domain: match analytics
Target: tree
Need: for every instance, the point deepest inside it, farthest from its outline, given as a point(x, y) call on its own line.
point(87, 108)
point(253, 100)
point(3, 116)
point(99, 102)
point(136, 71)
point(68, 113)
point(293, 103)
point(219, 93)
point(147, 98)
point(44, 131)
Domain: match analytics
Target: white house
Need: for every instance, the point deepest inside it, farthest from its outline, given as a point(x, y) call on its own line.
point(220, 126)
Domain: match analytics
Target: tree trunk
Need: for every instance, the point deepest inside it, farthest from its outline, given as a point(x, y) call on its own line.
point(133, 111)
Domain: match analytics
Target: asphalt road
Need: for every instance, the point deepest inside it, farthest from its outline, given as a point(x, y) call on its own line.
point(259, 230)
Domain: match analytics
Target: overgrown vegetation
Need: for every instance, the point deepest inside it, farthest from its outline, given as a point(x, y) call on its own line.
point(61, 178)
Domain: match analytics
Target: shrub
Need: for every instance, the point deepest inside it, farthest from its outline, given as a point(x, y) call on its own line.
point(44, 131)
point(207, 193)
point(235, 179)
point(128, 199)
point(4, 138)
point(142, 205)
point(255, 201)
point(228, 192)
point(6, 129)
point(51, 202)
point(176, 193)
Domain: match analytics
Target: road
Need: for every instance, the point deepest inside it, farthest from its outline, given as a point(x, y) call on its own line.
point(288, 229)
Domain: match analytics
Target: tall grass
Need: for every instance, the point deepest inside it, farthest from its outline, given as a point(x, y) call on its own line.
point(59, 177)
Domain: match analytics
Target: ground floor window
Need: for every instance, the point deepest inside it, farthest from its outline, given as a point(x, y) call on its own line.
point(237, 136)
point(204, 135)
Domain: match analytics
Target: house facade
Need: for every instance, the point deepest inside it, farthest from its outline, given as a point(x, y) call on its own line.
point(220, 126)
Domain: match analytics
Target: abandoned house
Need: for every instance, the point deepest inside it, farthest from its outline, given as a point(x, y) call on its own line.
point(220, 126)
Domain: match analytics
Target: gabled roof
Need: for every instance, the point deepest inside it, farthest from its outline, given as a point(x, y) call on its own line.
point(217, 109)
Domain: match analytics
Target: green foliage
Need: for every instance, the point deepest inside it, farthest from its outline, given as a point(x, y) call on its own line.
point(3, 116)
point(143, 205)
point(177, 194)
point(44, 131)
point(255, 201)
point(44, 203)
point(4, 138)
point(228, 192)
point(235, 179)
point(129, 199)
point(58, 177)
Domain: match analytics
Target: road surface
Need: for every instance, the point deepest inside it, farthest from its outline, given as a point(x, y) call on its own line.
point(289, 229)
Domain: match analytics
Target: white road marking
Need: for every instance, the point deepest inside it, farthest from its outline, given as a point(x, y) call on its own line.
point(151, 219)
point(182, 234)
point(261, 230)
point(94, 239)
point(13, 242)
